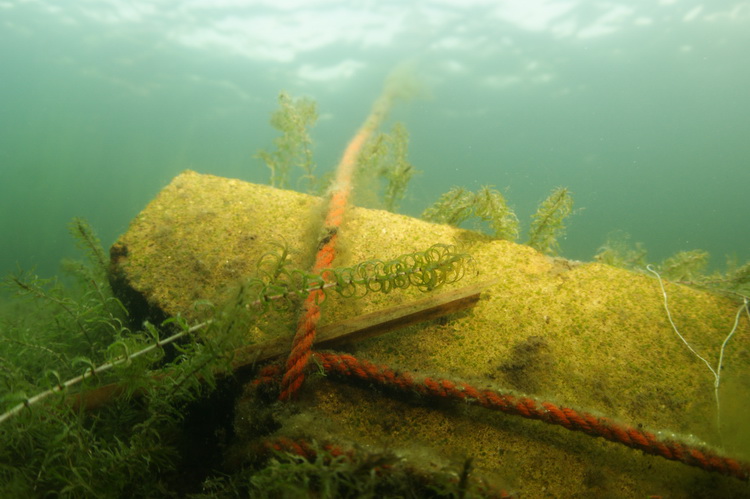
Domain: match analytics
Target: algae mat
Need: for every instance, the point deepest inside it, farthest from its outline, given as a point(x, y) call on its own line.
point(583, 335)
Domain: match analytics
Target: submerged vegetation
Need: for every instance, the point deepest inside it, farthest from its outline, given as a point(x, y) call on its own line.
point(293, 119)
point(452, 207)
point(684, 267)
point(94, 407)
point(548, 223)
point(487, 204)
point(331, 473)
point(129, 446)
point(385, 157)
point(491, 207)
point(459, 204)
point(617, 251)
point(384, 160)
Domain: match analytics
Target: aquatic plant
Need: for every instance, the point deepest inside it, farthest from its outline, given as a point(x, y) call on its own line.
point(293, 118)
point(275, 287)
point(452, 207)
point(85, 317)
point(617, 251)
point(548, 223)
point(685, 265)
point(385, 157)
point(285, 467)
point(77, 337)
point(278, 287)
point(87, 242)
point(52, 448)
point(459, 204)
point(63, 335)
point(736, 278)
point(689, 268)
point(488, 204)
point(298, 468)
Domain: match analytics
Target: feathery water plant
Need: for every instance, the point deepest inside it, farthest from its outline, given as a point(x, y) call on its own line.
point(689, 268)
point(459, 204)
point(80, 319)
point(397, 171)
point(76, 337)
point(87, 241)
point(76, 326)
point(735, 279)
point(425, 270)
point(128, 448)
point(548, 223)
point(293, 118)
point(685, 265)
point(385, 156)
point(617, 251)
point(274, 289)
point(326, 471)
point(452, 207)
point(490, 206)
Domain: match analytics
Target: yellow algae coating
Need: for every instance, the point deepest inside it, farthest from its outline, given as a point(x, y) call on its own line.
point(582, 335)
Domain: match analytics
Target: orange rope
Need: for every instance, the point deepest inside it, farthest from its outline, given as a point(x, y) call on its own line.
point(668, 447)
point(547, 412)
point(342, 187)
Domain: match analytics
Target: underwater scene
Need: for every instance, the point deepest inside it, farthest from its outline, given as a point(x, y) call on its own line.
point(440, 248)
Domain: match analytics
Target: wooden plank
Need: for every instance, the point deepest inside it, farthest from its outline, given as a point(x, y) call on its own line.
point(371, 324)
point(382, 321)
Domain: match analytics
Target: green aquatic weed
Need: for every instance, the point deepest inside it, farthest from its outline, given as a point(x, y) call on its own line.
point(737, 278)
point(618, 251)
point(452, 207)
point(548, 223)
point(689, 267)
point(62, 337)
point(490, 206)
point(397, 170)
point(330, 473)
point(385, 156)
point(135, 442)
point(459, 204)
point(685, 265)
point(425, 270)
point(293, 118)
